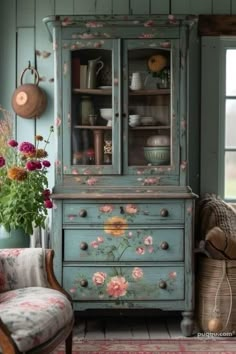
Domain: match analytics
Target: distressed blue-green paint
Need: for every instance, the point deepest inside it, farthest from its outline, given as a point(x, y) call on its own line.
point(103, 7)
point(87, 7)
point(159, 6)
point(221, 7)
point(180, 7)
point(25, 127)
point(45, 62)
point(233, 7)
point(56, 242)
point(200, 7)
point(25, 13)
point(210, 115)
point(120, 7)
point(64, 7)
point(139, 7)
point(8, 52)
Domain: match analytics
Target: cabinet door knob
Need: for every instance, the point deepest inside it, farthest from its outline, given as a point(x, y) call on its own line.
point(84, 283)
point(83, 213)
point(117, 115)
point(162, 284)
point(83, 246)
point(122, 210)
point(164, 213)
point(164, 245)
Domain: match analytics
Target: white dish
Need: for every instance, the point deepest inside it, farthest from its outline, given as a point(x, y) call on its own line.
point(105, 87)
point(147, 120)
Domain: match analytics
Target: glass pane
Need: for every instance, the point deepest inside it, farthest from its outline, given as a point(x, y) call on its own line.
point(230, 175)
point(230, 123)
point(149, 107)
point(230, 72)
point(91, 73)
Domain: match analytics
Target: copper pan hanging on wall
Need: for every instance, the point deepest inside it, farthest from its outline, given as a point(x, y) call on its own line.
point(28, 100)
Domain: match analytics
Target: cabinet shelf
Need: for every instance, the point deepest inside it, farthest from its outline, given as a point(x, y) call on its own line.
point(104, 127)
point(131, 93)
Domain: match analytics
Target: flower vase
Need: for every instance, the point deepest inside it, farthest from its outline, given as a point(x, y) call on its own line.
point(13, 239)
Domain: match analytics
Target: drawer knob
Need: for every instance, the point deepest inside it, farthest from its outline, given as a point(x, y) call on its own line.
point(83, 246)
point(164, 245)
point(122, 210)
point(83, 213)
point(84, 283)
point(164, 213)
point(162, 284)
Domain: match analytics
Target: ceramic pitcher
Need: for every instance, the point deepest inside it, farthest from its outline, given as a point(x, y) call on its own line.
point(94, 67)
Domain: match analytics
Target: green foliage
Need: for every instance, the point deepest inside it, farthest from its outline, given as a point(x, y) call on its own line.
point(24, 194)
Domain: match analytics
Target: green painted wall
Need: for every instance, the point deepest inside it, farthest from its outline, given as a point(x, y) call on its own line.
point(23, 38)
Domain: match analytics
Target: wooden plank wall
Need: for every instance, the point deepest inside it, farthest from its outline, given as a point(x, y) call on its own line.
point(22, 35)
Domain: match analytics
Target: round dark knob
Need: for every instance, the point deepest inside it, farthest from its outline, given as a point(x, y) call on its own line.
point(162, 284)
point(117, 115)
point(83, 246)
point(83, 213)
point(164, 245)
point(122, 210)
point(84, 283)
point(164, 213)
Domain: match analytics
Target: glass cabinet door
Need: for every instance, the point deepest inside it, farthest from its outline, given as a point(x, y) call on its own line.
point(150, 105)
point(91, 106)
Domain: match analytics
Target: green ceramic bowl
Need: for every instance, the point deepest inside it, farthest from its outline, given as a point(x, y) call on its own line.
point(157, 155)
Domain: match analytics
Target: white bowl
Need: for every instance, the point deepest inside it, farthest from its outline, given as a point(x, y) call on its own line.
point(147, 121)
point(106, 113)
point(158, 140)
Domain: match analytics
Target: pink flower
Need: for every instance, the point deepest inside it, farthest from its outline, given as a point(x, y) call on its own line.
point(172, 275)
point(2, 280)
point(48, 204)
point(137, 273)
point(148, 240)
point(27, 148)
point(100, 239)
point(2, 161)
point(91, 181)
point(117, 286)
point(106, 208)
point(140, 250)
point(72, 290)
point(99, 278)
point(12, 143)
point(46, 194)
point(46, 163)
point(131, 209)
point(94, 244)
point(31, 165)
point(38, 165)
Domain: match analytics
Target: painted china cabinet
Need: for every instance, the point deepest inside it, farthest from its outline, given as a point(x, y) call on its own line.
point(123, 216)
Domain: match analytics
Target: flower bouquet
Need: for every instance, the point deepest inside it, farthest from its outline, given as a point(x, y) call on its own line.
point(24, 194)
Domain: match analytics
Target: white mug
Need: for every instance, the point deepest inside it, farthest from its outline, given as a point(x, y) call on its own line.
point(136, 81)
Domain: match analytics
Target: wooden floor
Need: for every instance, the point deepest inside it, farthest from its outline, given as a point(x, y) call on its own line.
point(127, 327)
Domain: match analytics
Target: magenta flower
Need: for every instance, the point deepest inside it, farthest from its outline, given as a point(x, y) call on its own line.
point(2, 161)
point(38, 165)
point(12, 143)
point(46, 163)
point(27, 148)
point(31, 165)
point(46, 194)
point(48, 204)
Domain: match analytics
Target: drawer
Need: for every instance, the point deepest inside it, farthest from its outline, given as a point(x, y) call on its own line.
point(124, 213)
point(139, 244)
point(120, 283)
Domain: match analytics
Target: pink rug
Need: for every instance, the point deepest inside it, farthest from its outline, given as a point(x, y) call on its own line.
point(157, 346)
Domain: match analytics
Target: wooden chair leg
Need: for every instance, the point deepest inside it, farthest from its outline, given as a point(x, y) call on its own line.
point(68, 343)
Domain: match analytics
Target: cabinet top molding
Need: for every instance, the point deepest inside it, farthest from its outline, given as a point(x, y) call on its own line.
point(217, 25)
point(94, 23)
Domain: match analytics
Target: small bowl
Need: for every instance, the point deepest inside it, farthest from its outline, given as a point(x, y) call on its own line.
point(158, 140)
point(157, 155)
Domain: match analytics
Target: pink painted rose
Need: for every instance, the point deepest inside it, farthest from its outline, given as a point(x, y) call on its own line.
point(117, 286)
point(131, 209)
point(172, 275)
point(140, 250)
point(106, 208)
point(94, 244)
point(137, 273)
point(99, 278)
point(148, 240)
point(100, 239)
point(91, 181)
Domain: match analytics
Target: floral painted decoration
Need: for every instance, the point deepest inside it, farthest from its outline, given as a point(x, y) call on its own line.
point(24, 193)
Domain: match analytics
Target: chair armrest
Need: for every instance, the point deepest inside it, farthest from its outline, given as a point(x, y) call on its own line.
point(51, 276)
point(22, 267)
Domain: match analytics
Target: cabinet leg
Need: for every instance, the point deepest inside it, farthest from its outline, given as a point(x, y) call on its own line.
point(187, 323)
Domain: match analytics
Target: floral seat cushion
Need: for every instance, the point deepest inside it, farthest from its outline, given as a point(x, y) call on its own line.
point(34, 314)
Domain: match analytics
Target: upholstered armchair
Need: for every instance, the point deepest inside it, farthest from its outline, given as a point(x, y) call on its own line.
point(35, 312)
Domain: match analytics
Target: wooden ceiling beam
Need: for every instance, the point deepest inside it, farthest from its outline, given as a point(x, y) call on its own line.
point(217, 25)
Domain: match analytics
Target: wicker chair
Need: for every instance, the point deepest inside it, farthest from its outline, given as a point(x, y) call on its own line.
point(35, 311)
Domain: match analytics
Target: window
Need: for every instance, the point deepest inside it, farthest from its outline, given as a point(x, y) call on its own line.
point(227, 140)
